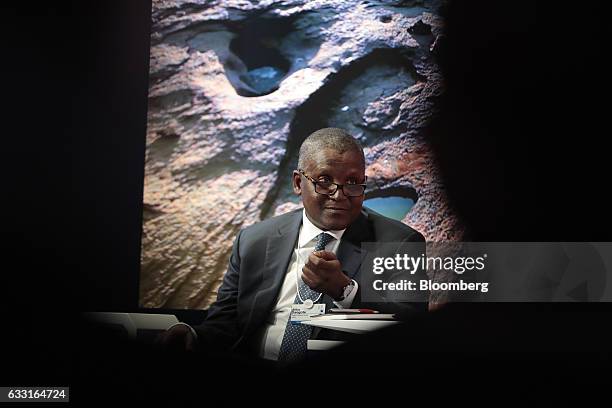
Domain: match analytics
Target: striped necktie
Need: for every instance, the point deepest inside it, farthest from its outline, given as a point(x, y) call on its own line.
point(295, 340)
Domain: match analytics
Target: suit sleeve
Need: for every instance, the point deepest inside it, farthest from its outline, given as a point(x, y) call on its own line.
point(405, 310)
point(220, 329)
point(412, 244)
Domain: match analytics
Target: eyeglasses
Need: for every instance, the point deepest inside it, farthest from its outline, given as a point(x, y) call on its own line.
point(329, 188)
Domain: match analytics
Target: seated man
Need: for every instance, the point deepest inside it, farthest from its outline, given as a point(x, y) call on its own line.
point(308, 256)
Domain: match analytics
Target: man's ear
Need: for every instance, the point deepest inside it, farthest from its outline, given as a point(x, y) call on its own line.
point(297, 182)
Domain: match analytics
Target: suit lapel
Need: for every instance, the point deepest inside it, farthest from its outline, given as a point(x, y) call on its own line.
point(349, 252)
point(279, 249)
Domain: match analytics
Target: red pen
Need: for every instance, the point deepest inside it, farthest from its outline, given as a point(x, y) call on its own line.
point(334, 310)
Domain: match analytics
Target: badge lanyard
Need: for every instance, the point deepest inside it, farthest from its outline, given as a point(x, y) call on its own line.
point(308, 302)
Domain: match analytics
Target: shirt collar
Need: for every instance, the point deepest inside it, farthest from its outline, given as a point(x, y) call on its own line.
point(310, 231)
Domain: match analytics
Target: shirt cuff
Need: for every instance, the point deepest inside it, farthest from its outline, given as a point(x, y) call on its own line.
point(195, 334)
point(348, 300)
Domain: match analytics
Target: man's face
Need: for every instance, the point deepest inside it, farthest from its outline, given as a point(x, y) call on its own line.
point(337, 211)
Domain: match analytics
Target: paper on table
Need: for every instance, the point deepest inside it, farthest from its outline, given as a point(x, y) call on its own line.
point(361, 316)
point(351, 326)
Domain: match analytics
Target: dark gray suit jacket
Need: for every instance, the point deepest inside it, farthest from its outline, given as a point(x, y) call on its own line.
point(257, 267)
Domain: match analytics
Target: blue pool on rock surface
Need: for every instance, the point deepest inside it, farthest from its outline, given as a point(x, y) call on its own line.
point(392, 207)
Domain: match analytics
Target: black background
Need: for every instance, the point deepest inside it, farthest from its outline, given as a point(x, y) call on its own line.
point(521, 141)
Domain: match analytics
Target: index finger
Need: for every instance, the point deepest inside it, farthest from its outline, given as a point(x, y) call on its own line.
point(327, 255)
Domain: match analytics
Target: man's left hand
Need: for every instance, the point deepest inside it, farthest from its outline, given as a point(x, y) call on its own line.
point(323, 273)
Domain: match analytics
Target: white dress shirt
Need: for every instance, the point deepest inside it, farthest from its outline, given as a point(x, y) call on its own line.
point(274, 329)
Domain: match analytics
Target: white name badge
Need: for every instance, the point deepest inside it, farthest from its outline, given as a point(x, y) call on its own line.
point(303, 312)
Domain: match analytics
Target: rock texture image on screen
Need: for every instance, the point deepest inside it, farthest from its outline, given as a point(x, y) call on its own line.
point(236, 86)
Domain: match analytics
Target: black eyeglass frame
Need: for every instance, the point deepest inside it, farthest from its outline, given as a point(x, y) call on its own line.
point(341, 186)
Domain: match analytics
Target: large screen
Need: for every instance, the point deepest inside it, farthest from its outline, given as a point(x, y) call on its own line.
point(234, 89)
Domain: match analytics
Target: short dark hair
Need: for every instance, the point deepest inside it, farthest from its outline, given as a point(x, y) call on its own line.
point(327, 138)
